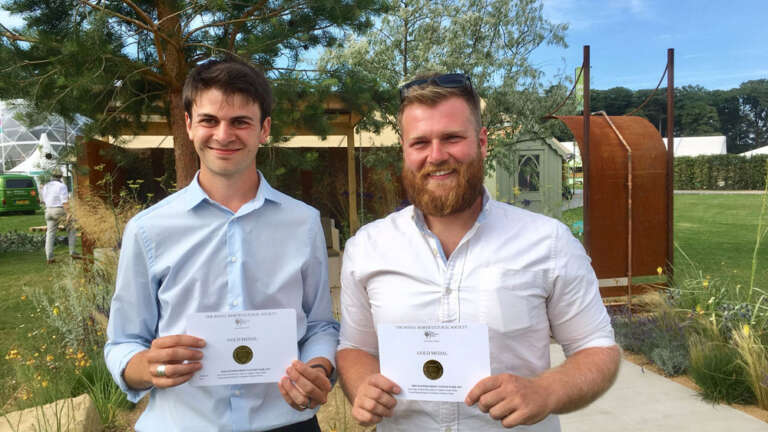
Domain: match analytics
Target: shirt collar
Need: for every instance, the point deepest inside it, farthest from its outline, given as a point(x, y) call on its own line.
point(195, 195)
point(418, 215)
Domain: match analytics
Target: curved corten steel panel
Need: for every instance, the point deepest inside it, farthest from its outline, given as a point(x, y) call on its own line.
point(606, 199)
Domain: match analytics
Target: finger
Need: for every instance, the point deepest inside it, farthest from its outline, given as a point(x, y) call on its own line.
point(482, 387)
point(298, 397)
point(379, 396)
point(282, 386)
point(175, 370)
point(178, 341)
point(315, 375)
point(173, 355)
point(515, 418)
point(314, 386)
point(502, 410)
point(374, 407)
point(490, 399)
point(384, 383)
point(365, 418)
point(165, 382)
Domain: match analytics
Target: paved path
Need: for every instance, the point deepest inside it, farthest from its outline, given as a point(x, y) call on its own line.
point(645, 401)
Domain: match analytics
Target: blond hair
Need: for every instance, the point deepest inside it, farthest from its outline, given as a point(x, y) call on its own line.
point(430, 94)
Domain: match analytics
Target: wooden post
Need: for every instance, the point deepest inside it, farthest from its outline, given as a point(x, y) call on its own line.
point(354, 223)
point(670, 163)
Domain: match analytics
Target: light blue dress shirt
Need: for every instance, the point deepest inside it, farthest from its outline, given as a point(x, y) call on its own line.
point(190, 254)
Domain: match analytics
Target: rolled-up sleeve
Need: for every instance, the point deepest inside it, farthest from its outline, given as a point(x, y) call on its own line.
point(322, 333)
point(357, 327)
point(134, 311)
point(576, 312)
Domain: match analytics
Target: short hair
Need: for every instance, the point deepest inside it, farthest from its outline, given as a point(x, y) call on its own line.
point(232, 77)
point(430, 94)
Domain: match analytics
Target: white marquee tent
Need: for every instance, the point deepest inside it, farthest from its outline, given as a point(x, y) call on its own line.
point(758, 151)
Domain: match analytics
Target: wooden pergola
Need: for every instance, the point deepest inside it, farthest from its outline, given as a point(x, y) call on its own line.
point(340, 117)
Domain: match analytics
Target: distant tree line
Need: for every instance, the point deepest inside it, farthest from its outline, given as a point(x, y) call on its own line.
point(741, 114)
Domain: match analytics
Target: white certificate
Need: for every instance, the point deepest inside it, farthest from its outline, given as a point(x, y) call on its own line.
point(434, 362)
point(244, 347)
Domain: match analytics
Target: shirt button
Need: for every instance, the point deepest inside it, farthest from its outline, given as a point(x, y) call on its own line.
point(233, 259)
point(235, 303)
point(237, 392)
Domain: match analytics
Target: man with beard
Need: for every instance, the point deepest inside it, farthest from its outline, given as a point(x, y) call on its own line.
point(458, 256)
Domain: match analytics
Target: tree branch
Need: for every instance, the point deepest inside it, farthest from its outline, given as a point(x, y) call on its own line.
point(273, 14)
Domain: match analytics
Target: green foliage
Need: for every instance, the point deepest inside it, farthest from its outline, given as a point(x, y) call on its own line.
point(488, 40)
point(116, 63)
point(741, 114)
point(106, 395)
point(716, 369)
point(17, 241)
point(661, 337)
point(720, 172)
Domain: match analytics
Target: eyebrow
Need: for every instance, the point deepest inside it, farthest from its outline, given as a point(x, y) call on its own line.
point(235, 118)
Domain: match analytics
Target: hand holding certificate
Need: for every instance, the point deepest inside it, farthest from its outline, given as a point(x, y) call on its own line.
point(244, 347)
point(439, 362)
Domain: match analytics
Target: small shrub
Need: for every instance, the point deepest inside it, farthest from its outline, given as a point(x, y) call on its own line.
point(754, 360)
point(673, 361)
point(715, 367)
point(17, 241)
point(106, 395)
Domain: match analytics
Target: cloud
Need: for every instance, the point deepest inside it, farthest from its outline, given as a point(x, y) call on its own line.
point(581, 16)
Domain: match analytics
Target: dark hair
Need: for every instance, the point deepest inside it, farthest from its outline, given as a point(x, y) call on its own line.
point(232, 77)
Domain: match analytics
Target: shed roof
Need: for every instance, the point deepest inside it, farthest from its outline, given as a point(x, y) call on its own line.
point(699, 146)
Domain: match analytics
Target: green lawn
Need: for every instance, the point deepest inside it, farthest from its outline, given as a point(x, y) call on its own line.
point(16, 222)
point(717, 232)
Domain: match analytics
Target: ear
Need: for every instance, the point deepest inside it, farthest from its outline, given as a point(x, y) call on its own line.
point(482, 139)
point(265, 129)
point(188, 123)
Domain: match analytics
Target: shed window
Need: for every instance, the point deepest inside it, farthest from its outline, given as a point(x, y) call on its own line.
point(528, 173)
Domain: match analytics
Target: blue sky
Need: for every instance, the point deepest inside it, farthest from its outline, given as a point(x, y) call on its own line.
point(718, 43)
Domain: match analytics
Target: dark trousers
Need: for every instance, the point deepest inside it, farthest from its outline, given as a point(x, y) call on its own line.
point(305, 426)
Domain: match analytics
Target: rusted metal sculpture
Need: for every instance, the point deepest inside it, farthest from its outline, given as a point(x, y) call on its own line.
point(628, 190)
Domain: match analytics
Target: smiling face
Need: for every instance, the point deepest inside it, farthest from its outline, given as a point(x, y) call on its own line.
point(226, 131)
point(443, 153)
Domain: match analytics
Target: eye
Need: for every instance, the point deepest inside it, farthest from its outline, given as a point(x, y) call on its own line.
point(454, 138)
point(207, 121)
point(240, 123)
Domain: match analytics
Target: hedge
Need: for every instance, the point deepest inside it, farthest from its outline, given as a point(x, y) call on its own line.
point(721, 172)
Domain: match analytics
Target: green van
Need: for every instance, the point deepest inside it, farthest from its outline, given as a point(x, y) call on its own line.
point(18, 193)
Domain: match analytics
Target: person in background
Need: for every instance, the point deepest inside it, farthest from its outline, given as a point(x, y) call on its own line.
point(56, 198)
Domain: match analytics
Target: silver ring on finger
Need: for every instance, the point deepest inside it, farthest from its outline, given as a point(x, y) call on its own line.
point(160, 371)
point(308, 405)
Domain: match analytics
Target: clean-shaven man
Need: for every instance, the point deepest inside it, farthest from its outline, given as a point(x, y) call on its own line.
point(226, 242)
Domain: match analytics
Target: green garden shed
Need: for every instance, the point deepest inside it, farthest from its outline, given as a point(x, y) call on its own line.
point(535, 178)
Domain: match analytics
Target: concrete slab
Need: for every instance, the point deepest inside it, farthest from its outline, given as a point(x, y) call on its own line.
point(641, 400)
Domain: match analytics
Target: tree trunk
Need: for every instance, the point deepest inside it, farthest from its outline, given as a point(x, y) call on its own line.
point(183, 150)
point(175, 68)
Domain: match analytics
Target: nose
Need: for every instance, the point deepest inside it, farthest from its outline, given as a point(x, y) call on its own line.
point(224, 132)
point(437, 153)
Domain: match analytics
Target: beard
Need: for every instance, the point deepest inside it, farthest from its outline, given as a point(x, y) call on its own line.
point(454, 197)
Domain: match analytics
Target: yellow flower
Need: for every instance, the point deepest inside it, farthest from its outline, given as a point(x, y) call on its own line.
point(44, 383)
point(23, 297)
point(699, 310)
point(516, 191)
point(659, 270)
point(55, 310)
point(745, 329)
point(49, 358)
point(705, 283)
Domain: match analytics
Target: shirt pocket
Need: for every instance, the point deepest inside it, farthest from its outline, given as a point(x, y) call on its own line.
point(509, 299)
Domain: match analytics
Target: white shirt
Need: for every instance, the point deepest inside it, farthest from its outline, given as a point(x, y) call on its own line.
point(521, 273)
point(55, 193)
